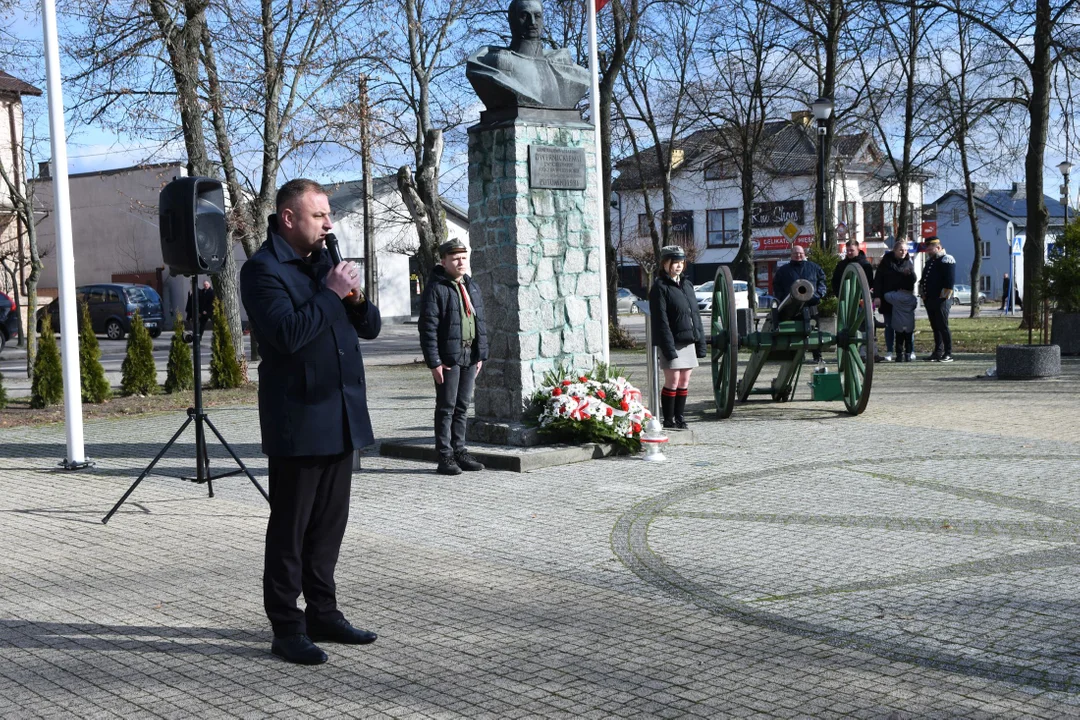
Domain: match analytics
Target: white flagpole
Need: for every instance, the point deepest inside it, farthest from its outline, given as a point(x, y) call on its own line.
point(69, 337)
point(594, 105)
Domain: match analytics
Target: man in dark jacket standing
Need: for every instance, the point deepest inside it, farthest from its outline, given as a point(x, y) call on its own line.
point(308, 316)
point(852, 254)
point(454, 341)
point(936, 290)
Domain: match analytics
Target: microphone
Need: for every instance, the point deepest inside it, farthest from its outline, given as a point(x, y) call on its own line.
point(334, 249)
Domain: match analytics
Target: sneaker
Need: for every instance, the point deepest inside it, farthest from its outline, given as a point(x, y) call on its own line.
point(911, 356)
point(447, 466)
point(467, 462)
point(932, 358)
point(947, 358)
point(887, 358)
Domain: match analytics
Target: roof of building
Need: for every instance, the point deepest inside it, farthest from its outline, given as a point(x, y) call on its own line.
point(12, 84)
point(788, 147)
point(388, 183)
point(1011, 204)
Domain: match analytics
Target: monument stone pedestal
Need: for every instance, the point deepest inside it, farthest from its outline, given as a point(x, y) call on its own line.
point(536, 255)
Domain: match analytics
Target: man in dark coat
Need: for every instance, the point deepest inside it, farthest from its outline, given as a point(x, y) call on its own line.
point(936, 290)
point(308, 316)
point(799, 268)
point(896, 272)
point(454, 341)
point(206, 305)
point(852, 254)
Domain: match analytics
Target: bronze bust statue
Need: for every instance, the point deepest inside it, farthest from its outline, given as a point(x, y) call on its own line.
point(526, 75)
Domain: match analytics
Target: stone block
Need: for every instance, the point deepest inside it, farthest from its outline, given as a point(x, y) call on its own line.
point(550, 343)
point(573, 340)
point(588, 285)
point(573, 261)
point(577, 312)
point(529, 343)
point(553, 248)
point(594, 340)
point(1019, 362)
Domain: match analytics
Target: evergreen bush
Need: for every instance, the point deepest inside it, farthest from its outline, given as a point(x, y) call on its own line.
point(1062, 274)
point(828, 262)
point(47, 387)
point(224, 367)
point(180, 371)
point(94, 384)
point(3, 393)
point(139, 373)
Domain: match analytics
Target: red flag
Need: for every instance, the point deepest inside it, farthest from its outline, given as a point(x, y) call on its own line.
point(600, 4)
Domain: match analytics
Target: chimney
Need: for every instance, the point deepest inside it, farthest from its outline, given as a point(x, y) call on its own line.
point(1019, 191)
point(979, 189)
point(802, 117)
point(44, 172)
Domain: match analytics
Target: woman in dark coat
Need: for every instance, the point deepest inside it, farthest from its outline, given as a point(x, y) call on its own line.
point(676, 331)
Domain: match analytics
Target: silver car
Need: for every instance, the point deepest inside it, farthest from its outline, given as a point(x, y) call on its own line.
point(626, 301)
point(962, 295)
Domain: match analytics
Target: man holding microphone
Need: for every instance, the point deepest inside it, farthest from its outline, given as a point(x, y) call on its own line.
point(308, 316)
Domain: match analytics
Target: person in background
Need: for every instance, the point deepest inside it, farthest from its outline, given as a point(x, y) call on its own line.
point(799, 268)
point(677, 332)
point(453, 338)
point(895, 272)
point(936, 291)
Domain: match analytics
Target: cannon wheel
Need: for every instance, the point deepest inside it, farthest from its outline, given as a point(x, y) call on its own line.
point(725, 342)
point(855, 321)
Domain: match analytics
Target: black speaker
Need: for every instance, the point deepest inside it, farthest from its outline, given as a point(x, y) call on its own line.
point(191, 218)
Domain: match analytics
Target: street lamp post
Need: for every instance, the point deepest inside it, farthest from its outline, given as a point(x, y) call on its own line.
point(822, 109)
point(1065, 167)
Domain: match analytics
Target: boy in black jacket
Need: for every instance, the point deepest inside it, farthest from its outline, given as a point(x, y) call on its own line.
point(454, 340)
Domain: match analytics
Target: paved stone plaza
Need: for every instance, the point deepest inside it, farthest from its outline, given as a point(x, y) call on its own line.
point(918, 561)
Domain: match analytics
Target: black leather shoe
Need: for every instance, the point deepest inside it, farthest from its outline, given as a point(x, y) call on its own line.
point(340, 631)
point(467, 462)
point(297, 649)
point(668, 424)
point(447, 466)
point(681, 423)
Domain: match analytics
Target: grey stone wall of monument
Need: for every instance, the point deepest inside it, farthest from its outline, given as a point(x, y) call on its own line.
point(536, 256)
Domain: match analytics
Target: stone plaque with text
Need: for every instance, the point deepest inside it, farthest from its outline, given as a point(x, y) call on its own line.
point(556, 168)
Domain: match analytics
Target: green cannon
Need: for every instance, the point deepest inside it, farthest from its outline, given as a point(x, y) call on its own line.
point(785, 337)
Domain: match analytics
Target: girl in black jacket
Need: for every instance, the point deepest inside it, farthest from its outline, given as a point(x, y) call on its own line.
point(676, 331)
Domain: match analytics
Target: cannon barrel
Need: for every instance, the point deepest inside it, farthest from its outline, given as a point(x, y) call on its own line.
point(802, 291)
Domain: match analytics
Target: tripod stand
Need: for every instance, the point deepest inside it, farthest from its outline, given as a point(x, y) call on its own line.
point(196, 414)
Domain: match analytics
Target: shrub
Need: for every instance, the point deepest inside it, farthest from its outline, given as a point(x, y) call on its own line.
point(94, 384)
point(47, 387)
point(139, 372)
point(224, 367)
point(619, 338)
point(3, 393)
point(828, 262)
point(1062, 274)
point(180, 373)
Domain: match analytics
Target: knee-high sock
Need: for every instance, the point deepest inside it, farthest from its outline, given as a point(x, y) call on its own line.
point(680, 402)
point(667, 403)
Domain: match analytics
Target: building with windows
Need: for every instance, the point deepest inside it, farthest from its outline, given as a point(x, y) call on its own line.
point(708, 212)
point(1001, 215)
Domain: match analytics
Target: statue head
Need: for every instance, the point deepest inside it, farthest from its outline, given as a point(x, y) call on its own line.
point(526, 19)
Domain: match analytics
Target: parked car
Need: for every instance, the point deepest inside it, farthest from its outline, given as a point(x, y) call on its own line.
point(626, 301)
point(9, 320)
point(112, 305)
point(704, 294)
point(962, 295)
point(765, 301)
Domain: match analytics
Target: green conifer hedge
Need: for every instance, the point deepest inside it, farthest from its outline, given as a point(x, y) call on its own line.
point(139, 373)
point(95, 386)
point(47, 387)
point(3, 393)
point(224, 366)
point(180, 370)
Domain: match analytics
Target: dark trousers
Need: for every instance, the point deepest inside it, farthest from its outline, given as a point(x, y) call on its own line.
point(890, 335)
point(938, 313)
point(309, 508)
point(452, 400)
point(904, 345)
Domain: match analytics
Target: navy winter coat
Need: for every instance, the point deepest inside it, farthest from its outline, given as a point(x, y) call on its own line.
point(938, 274)
point(312, 391)
point(440, 322)
point(674, 314)
point(786, 276)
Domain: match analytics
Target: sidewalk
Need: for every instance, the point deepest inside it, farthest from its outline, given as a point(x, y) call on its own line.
point(920, 559)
